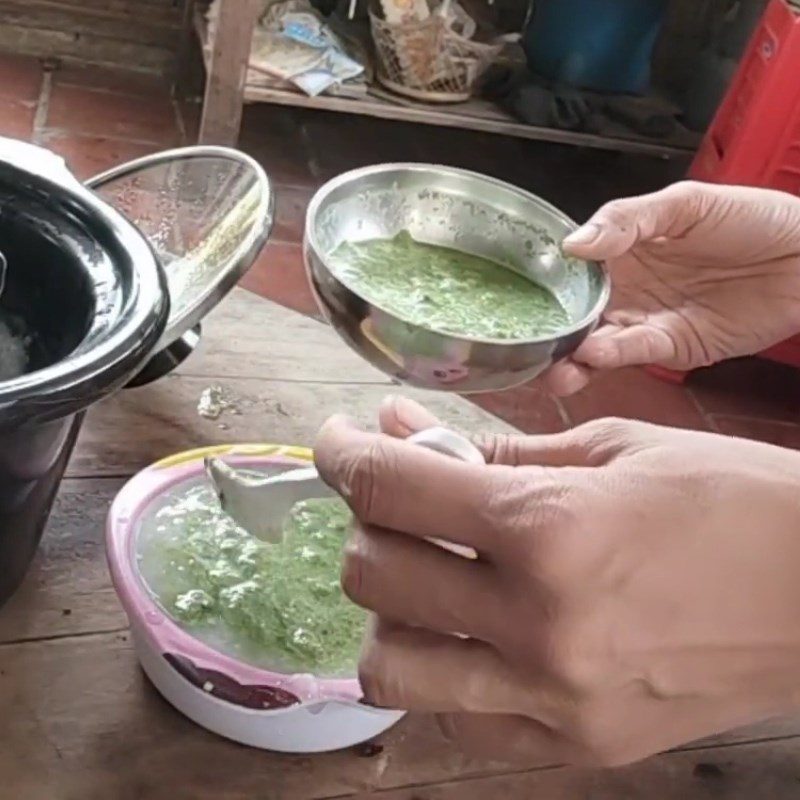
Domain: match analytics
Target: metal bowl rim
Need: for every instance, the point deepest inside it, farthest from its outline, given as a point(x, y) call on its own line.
point(343, 179)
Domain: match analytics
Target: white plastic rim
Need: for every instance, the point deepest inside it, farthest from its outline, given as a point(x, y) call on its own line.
point(327, 715)
point(301, 729)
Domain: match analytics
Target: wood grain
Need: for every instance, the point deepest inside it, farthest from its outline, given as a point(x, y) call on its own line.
point(741, 773)
point(248, 336)
point(68, 590)
point(140, 426)
point(86, 724)
point(135, 34)
point(284, 374)
point(82, 723)
point(227, 68)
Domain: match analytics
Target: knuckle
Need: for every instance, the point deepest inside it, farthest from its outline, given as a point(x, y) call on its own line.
point(569, 657)
point(373, 672)
point(366, 475)
point(686, 190)
point(616, 213)
point(517, 505)
point(609, 435)
point(472, 692)
point(596, 737)
point(353, 570)
point(605, 429)
point(499, 448)
point(364, 567)
point(553, 518)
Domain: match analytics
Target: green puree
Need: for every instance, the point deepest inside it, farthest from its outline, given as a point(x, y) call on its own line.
point(279, 606)
point(447, 290)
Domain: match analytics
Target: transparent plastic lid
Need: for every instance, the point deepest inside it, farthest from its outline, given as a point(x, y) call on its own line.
point(207, 212)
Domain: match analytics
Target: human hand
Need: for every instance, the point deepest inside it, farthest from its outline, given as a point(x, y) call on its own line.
point(700, 273)
point(637, 587)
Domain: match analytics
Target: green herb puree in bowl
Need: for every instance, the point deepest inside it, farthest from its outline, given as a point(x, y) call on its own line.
point(278, 606)
point(446, 290)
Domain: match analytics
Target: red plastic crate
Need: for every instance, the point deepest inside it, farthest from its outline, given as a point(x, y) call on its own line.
point(755, 136)
point(754, 139)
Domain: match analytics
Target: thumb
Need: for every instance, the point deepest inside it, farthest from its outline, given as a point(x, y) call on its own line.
point(400, 417)
point(621, 224)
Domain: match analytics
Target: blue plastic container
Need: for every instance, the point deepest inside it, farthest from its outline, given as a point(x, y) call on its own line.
point(604, 45)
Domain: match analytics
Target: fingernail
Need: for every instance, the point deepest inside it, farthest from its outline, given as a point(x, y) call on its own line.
point(410, 415)
point(586, 234)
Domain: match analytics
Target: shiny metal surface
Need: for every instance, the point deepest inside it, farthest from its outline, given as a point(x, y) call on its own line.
point(468, 212)
point(206, 211)
point(167, 359)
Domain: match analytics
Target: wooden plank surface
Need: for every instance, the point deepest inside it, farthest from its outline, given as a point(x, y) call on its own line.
point(82, 723)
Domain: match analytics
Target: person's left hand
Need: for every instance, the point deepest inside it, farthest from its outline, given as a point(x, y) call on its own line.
point(636, 587)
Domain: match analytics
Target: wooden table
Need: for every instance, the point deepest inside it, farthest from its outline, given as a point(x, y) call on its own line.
point(79, 720)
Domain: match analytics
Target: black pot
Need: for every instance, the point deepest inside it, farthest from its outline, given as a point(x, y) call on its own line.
point(87, 289)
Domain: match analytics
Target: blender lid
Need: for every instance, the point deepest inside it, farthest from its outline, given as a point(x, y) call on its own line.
point(206, 211)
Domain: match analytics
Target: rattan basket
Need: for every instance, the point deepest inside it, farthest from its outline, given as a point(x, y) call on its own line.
point(428, 60)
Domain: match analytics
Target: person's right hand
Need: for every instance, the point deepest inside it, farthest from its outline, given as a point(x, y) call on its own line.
point(636, 587)
point(700, 273)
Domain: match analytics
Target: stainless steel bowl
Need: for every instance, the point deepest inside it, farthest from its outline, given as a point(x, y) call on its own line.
point(468, 212)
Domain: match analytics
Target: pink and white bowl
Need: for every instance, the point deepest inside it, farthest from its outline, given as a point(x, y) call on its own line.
point(288, 713)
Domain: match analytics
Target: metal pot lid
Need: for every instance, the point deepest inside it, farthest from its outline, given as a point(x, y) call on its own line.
point(207, 212)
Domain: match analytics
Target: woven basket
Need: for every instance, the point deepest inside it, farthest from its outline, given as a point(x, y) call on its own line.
point(429, 61)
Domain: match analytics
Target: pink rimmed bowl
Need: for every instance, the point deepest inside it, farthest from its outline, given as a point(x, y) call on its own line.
point(289, 713)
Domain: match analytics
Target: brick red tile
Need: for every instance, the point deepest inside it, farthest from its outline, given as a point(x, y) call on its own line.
point(16, 118)
point(633, 394)
point(749, 387)
point(278, 275)
point(93, 113)
point(110, 79)
point(341, 142)
point(20, 77)
point(274, 138)
point(782, 434)
point(528, 408)
point(90, 155)
point(290, 213)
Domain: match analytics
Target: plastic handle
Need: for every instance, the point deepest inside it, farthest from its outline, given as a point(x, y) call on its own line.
point(451, 444)
point(448, 443)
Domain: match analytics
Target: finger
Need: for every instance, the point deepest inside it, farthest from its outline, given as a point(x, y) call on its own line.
point(505, 737)
point(418, 670)
point(417, 583)
point(393, 484)
point(620, 224)
point(624, 347)
point(401, 417)
point(566, 378)
point(578, 447)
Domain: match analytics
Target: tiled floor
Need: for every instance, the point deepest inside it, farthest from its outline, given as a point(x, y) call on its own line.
point(97, 119)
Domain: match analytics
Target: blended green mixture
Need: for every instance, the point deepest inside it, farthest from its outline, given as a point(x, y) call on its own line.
point(279, 606)
point(447, 290)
